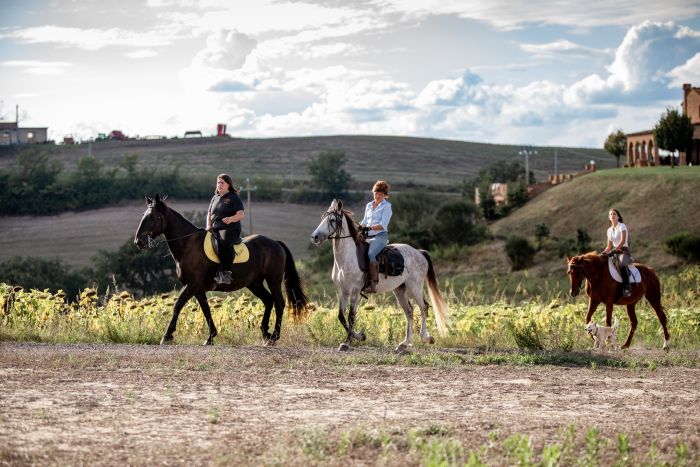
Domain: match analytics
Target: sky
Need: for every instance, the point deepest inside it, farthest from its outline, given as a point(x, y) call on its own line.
point(564, 73)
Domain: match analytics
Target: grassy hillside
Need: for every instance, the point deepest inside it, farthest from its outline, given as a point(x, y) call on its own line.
point(654, 202)
point(439, 164)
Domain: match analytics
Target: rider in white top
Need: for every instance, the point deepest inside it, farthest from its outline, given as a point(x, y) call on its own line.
point(618, 242)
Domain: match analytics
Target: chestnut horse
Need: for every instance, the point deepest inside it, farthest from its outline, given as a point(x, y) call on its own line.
point(602, 288)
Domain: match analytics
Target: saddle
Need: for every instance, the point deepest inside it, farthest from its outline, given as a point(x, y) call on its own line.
point(390, 259)
point(211, 249)
point(632, 272)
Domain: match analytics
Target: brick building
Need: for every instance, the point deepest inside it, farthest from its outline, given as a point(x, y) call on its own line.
point(641, 147)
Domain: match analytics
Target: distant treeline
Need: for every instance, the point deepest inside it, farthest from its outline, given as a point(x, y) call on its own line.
point(39, 185)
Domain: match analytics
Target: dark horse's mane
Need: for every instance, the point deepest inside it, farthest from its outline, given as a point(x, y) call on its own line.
point(177, 214)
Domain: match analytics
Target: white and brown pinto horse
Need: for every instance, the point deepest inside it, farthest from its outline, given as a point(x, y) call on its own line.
point(337, 225)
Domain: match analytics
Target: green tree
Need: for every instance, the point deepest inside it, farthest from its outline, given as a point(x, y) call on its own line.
point(456, 222)
point(141, 272)
point(616, 144)
point(39, 273)
point(674, 132)
point(328, 173)
point(517, 193)
point(583, 240)
point(520, 252)
point(541, 233)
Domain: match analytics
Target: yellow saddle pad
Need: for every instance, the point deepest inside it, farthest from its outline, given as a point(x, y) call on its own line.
point(241, 249)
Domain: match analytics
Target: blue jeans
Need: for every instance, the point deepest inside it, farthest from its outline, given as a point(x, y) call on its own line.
point(376, 245)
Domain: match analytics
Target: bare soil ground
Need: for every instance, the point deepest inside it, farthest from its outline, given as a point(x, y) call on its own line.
point(146, 405)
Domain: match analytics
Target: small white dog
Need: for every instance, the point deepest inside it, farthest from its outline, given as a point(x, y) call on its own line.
point(602, 334)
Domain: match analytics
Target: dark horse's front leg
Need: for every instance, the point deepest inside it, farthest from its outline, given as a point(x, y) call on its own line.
point(204, 304)
point(261, 292)
point(185, 295)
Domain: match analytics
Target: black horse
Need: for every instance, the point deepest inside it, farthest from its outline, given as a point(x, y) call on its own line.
point(269, 261)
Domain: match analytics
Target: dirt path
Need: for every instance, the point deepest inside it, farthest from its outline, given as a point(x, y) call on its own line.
point(115, 404)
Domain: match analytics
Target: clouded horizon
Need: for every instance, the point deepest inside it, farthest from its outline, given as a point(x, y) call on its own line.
point(544, 73)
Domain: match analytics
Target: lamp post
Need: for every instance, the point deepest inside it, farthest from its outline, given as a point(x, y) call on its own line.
point(527, 151)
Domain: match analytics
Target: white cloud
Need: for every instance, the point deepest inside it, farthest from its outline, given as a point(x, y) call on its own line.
point(226, 49)
point(689, 72)
point(37, 67)
point(643, 60)
point(143, 53)
point(563, 49)
point(506, 14)
point(89, 39)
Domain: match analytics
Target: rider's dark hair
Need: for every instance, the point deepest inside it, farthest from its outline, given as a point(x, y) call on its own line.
point(619, 216)
point(227, 179)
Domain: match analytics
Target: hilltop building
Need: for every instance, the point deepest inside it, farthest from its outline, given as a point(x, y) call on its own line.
point(11, 133)
point(641, 147)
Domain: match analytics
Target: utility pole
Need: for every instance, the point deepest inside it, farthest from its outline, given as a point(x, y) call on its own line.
point(249, 210)
point(556, 172)
point(527, 151)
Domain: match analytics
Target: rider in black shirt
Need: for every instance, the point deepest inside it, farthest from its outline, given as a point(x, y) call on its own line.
point(224, 216)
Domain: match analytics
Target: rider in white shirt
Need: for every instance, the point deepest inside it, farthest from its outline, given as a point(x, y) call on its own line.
point(618, 242)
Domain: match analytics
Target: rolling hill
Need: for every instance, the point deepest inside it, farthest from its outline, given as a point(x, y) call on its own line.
point(654, 202)
point(403, 161)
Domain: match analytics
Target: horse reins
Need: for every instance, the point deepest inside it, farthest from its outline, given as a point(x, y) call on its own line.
point(152, 242)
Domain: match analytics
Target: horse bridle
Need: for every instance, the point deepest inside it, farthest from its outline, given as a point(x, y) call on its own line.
point(152, 242)
point(576, 267)
point(335, 233)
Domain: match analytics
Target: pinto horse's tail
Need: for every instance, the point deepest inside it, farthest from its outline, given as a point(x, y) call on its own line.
point(442, 315)
point(294, 286)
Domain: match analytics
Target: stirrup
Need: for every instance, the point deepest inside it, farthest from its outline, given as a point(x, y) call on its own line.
point(627, 292)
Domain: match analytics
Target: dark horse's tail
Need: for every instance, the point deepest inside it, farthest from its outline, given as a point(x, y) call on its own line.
point(293, 285)
point(442, 315)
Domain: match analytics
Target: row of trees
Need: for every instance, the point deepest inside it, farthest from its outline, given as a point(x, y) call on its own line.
point(673, 132)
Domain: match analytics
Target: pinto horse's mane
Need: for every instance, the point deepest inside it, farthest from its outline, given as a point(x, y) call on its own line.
point(351, 224)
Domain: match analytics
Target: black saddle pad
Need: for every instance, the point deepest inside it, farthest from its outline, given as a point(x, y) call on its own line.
point(391, 261)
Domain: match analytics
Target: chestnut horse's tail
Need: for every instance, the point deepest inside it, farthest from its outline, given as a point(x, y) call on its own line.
point(442, 316)
point(293, 285)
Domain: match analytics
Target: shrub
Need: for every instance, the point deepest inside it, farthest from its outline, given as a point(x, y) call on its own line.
point(684, 245)
point(520, 252)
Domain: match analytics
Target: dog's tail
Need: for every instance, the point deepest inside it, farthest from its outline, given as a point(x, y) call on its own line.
point(616, 324)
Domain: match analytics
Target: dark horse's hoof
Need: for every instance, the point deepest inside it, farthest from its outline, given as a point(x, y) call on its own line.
point(166, 340)
point(270, 342)
point(344, 347)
